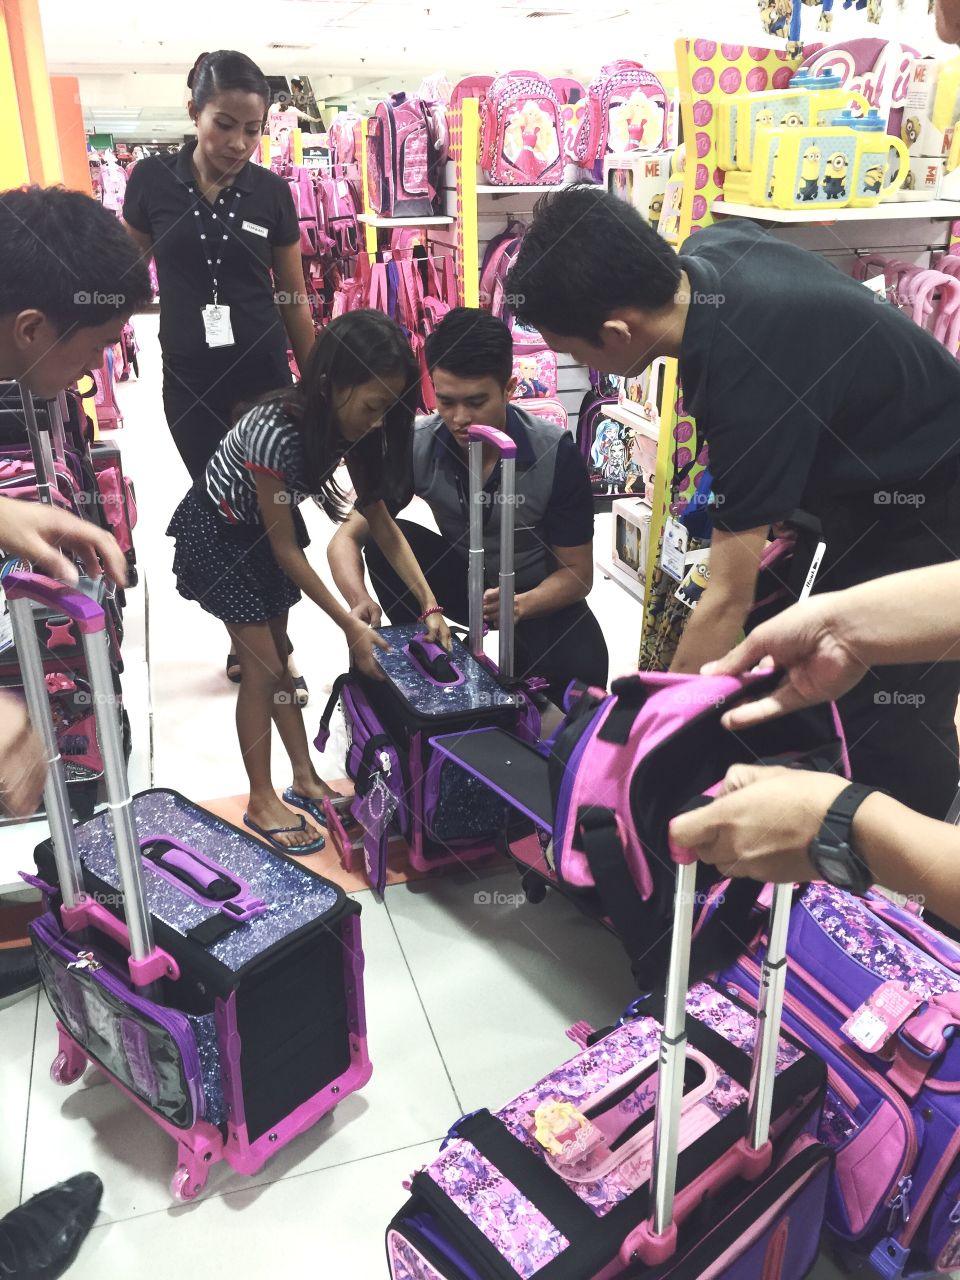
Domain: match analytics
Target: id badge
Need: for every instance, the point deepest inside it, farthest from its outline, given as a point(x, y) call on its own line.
point(673, 556)
point(216, 324)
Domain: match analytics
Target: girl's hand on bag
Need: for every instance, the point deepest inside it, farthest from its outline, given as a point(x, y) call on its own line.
point(762, 823)
point(438, 631)
point(368, 611)
point(361, 641)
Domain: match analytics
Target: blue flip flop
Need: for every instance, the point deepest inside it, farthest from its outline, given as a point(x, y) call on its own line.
point(313, 808)
point(270, 833)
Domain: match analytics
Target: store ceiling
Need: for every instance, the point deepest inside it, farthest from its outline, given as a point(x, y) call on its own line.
point(132, 60)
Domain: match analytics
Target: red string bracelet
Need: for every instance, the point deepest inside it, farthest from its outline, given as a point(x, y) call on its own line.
point(437, 608)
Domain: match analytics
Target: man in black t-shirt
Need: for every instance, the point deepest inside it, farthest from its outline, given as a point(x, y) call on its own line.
point(811, 394)
point(470, 356)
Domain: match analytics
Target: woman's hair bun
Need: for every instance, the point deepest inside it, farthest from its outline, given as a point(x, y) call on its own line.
point(193, 70)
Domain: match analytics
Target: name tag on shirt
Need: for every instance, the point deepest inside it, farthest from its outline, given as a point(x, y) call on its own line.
point(255, 228)
point(217, 326)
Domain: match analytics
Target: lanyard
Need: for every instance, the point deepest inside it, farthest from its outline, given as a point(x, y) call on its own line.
point(208, 238)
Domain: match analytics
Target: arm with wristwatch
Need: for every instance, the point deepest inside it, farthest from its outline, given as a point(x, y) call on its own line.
point(785, 825)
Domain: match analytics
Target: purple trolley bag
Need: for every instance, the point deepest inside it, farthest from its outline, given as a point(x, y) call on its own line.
point(403, 787)
point(875, 991)
point(682, 1148)
point(218, 984)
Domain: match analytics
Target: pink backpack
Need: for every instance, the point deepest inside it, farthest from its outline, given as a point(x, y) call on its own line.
point(628, 112)
point(402, 159)
point(551, 410)
point(497, 263)
point(575, 117)
point(535, 369)
point(521, 139)
point(341, 138)
point(340, 203)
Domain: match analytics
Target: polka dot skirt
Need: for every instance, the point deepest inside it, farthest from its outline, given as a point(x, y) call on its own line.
point(230, 570)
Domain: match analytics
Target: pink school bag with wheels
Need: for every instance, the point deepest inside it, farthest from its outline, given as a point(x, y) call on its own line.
point(521, 138)
point(176, 949)
point(550, 409)
point(536, 372)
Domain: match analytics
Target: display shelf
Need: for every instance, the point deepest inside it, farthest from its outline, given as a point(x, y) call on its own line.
point(630, 583)
point(435, 220)
point(631, 418)
point(486, 189)
point(887, 212)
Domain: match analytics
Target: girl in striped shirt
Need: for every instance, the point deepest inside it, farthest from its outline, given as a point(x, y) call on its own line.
point(240, 539)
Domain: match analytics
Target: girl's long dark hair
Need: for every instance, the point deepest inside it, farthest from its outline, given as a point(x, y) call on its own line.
point(356, 348)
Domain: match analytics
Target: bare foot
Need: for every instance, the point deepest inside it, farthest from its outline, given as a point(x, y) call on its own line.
point(269, 813)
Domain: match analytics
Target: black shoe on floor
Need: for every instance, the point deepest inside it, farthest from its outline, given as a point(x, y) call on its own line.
point(18, 972)
point(40, 1240)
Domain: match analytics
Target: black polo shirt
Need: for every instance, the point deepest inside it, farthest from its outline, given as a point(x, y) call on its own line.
point(805, 386)
point(256, 213)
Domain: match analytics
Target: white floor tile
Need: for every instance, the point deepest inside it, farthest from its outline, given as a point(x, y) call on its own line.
point(408, 1100)
point(501, 979)
point(329, 1224)
point(17, 1027)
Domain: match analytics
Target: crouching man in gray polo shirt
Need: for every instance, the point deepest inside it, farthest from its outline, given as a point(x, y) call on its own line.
point(470, 357)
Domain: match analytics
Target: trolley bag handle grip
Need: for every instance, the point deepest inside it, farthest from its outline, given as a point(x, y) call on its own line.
point(86, 613)
point(499, 439)
point(433, 659)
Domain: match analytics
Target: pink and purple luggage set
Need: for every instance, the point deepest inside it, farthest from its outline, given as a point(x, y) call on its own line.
point(698, 1137)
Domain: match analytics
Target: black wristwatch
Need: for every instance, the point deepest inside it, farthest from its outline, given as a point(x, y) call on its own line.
point(831, 851)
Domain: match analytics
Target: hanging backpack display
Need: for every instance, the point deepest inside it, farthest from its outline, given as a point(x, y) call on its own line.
point(521, 135)
point(628, 108)
point(403, 159)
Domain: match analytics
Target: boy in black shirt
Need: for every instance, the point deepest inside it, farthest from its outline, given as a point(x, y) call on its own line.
point(811, 395)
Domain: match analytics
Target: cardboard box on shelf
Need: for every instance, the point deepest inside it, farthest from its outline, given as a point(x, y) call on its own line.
point(923, 181)
point(932, 106)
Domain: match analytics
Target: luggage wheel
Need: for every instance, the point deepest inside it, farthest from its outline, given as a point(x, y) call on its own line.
point(185, 1184)
point(533, 887)
point(67, 1068)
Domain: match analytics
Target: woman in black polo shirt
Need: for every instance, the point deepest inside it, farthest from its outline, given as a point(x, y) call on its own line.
point(218, 226)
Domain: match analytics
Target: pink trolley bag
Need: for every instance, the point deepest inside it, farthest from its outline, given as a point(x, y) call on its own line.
point(216, 983)
point(403, 787)
point(875, 991)
point(678, 1146)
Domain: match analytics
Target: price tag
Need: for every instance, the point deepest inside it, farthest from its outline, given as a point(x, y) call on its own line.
point(217, 326)
point(880, 1017)
point(673, 556)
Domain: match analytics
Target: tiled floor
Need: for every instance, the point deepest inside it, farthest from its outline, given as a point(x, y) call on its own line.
point(467, 1001)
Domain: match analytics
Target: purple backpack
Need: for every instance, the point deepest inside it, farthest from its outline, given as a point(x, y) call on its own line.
point(875, 991)
point(340, 203)
point(403, 159)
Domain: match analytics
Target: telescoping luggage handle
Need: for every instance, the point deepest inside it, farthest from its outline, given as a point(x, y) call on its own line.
point(479, 435)
point(147, 963)
point(655, 1241)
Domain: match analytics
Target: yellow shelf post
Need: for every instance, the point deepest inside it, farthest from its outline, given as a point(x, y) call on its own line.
point(37, 118)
